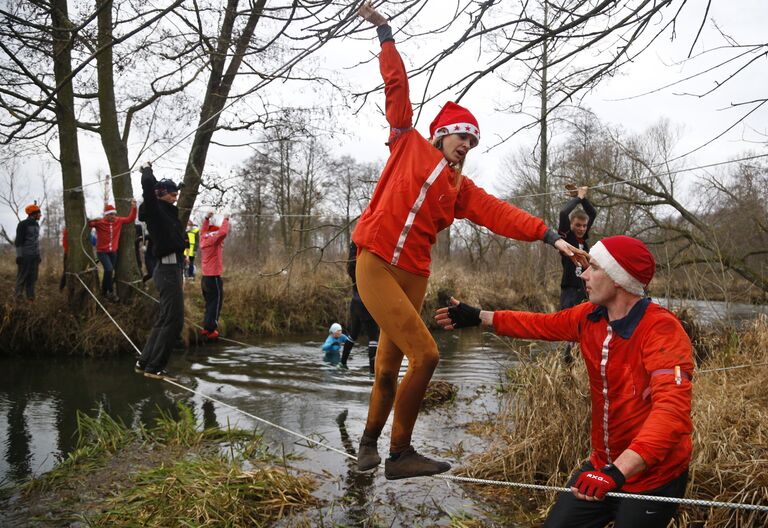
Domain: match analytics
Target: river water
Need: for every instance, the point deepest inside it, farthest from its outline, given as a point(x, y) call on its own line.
point(285, 383)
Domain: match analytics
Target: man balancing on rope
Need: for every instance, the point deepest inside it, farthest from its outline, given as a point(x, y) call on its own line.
point(169, 241)
point(639, 361)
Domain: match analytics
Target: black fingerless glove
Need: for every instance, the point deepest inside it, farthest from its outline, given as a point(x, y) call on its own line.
point(463, 315)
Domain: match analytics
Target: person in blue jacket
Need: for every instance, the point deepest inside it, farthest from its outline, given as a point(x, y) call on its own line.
point(333, 344)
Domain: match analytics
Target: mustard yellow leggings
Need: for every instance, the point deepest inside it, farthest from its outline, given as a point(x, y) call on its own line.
point(394, 297)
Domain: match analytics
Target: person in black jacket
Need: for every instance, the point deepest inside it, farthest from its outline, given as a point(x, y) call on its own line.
point(168, 243)
point(359, 318)
point(574, 228)
point(28, 252)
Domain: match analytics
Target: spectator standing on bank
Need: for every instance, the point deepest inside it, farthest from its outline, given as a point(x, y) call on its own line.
point(574, 227)
point(212, 264)
point(108, 229)
point(193, 236)
point(28, 252)
point(169, 241)
point(360, 320)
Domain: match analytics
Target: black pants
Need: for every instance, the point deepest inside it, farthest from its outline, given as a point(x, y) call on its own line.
point(26, 275)
point(169, 318)
point(108, 261)
point(213, 293)
point(360, 321)
point(570, 512)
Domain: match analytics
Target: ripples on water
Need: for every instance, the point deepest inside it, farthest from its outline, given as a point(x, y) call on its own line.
point(285, 383)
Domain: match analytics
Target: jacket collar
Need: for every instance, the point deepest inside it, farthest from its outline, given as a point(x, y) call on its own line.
point(627, 324)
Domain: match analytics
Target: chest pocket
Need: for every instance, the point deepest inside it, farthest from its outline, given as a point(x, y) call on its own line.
point(445, 200)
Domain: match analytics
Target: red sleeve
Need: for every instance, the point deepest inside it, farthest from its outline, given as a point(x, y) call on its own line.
point(666, 346)
point(398, 103)
point(475, 204)
point(64, 241)
point(224, 229)
point(92, 223)
point(558, 326)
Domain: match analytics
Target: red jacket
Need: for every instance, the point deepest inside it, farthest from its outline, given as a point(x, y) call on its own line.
point(637, 400)
point(212, 247)
point(108, 233)
point(416, 198)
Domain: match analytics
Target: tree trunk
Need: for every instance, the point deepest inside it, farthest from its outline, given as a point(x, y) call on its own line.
point(544, 156)
point(216, 94)
point(117, 154)
point(80, 253)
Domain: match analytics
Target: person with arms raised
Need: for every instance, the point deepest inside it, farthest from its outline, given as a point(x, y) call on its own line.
point(420, 192)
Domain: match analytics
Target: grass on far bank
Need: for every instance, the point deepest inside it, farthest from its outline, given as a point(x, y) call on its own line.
point(542, 434)
point(125, 477)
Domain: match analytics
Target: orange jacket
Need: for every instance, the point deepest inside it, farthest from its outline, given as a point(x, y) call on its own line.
point(638, 402)
point(416, 198)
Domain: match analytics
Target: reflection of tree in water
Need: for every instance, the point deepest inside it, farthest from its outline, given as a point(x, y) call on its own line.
point(18, 454)
point(358, 486)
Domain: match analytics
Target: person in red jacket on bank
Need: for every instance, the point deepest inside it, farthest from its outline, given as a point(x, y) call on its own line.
point(640, 364)
point(212, 263)
point(108, 230)
point(419, 193)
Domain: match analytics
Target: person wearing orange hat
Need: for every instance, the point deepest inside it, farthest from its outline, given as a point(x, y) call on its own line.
point(420, 192)
point(27, 245)
point(108, 229)
point(640, 364)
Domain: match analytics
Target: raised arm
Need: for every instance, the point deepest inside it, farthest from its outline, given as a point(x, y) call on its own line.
point(398, 104)
point(565, 222)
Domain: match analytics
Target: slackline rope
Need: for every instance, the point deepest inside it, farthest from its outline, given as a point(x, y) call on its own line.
point(456, 478)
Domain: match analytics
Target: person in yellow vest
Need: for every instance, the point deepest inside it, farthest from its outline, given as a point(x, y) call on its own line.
point(193, 234)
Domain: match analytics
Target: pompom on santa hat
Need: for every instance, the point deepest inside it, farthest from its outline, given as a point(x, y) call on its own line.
point(626, 260)
point(454, 119)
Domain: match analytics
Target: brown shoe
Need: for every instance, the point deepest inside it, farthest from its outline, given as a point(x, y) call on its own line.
point(411, 464)
point(367, 454)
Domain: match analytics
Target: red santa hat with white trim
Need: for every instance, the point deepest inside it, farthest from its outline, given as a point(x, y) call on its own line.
point(454, 119)
point(626, 260)
point(109, 209)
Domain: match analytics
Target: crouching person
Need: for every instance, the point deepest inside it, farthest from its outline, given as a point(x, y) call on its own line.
point(639, 361)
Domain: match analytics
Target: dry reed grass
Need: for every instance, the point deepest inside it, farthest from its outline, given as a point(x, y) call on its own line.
point(542, 434)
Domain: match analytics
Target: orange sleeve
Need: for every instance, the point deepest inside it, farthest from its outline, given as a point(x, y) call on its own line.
point(475, 204)
point(558, 326)
point(666, 346)
point(398, 103)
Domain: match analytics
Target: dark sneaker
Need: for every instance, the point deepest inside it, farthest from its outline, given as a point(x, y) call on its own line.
point(160, 374)
point(138, 368)
point(411, 464)
point(343, 366)
point(367, 454)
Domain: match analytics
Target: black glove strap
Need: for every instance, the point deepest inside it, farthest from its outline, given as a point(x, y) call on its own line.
point(617, 476)
point(463, 315)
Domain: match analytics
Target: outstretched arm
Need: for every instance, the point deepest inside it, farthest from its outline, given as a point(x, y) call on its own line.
point(398, 104)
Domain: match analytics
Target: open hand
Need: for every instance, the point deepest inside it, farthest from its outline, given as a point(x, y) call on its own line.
point(577, 256)
point(369, 13)
point(458, 315)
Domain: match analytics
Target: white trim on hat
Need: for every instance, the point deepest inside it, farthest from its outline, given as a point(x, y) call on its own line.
point(458, 128)
point(110, 212)
point(614, 270)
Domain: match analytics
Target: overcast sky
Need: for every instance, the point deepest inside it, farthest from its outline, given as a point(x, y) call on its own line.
point(618, 101)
